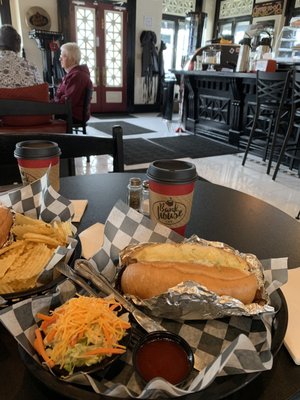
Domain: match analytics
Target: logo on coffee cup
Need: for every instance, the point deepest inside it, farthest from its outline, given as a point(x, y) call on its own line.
point(169, 212)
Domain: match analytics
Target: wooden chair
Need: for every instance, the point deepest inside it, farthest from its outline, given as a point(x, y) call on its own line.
point(81, 126)
point(28, 108)
point(71, 146)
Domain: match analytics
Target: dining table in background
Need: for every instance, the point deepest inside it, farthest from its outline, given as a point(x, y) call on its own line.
point(219, 214)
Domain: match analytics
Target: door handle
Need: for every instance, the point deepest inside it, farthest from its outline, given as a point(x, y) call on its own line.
point(103, 76)
point(98, 80)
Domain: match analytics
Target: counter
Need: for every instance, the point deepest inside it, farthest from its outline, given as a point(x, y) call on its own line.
point(218, 104)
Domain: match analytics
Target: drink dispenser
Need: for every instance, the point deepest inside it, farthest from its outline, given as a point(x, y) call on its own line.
point(264, 47)
point(244, 55)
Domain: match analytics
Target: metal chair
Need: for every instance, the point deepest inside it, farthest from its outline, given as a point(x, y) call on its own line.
point(290, 148)
point(271, 106)
point(71, 146)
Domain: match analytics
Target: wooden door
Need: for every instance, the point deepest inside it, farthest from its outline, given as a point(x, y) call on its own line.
point(100, 31)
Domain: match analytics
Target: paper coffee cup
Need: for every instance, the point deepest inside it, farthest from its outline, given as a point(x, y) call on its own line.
point(171, 189)
point(35, 157)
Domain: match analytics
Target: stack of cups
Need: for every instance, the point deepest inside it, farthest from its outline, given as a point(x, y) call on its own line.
point(171, 189)
point(35, 158)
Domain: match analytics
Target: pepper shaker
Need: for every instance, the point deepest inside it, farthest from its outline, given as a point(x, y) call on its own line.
point(134, 194)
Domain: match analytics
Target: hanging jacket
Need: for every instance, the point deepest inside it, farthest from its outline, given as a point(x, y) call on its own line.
point(150, 65)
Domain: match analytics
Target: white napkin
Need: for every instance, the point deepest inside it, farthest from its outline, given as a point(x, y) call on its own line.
point(92, 240)
point(79, 208)
point(292, 296)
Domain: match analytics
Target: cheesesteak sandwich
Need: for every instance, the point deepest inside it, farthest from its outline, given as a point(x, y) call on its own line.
point(153, 268)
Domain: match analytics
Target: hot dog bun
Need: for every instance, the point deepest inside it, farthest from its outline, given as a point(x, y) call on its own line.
point(153, 268)
point(6, 221)
point(149, 279)
point(183, 252)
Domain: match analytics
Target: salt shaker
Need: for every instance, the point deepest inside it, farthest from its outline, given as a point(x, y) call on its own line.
point(134, 195)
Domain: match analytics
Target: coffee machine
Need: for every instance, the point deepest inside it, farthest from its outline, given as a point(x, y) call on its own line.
point(225, 56)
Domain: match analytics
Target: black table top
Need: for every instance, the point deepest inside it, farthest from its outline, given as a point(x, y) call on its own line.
point(219, 213)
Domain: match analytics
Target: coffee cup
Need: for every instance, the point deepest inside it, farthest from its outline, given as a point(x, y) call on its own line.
point(35, 158)
point(171, 189)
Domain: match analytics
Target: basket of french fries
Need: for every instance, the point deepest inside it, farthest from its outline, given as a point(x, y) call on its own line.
point(30, 248)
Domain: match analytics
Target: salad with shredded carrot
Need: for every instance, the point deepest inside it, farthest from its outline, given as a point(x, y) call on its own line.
point(81, 332)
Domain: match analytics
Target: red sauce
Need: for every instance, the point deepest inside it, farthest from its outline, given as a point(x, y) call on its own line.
point(164, 358)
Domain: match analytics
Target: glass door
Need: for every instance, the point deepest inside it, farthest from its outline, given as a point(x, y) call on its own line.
point(174, 34)
point(100, 31)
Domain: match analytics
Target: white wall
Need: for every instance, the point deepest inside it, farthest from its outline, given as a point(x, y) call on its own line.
point(148, 18)
point(18, 10)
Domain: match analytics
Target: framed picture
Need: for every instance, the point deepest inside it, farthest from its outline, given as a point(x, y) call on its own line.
point(37, 18)
point(267, 8)
point(263, 1)
point(275, 22)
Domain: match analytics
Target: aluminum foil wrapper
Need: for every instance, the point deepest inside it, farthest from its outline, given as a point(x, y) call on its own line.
point(191, 301)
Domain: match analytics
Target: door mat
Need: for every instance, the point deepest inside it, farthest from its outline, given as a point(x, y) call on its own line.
point(194, 146)
point(112, 115)
point(140, 151)
point(128, 129)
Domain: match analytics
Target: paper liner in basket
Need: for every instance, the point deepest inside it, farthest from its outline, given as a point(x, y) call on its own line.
point(187, 301)
point(232, 345)
point(39, 200)
point(235, 345)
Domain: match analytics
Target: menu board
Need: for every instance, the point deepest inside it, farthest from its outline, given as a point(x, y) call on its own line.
point(268, 8)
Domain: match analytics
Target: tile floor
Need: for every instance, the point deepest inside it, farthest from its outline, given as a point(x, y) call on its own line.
point(226, 170)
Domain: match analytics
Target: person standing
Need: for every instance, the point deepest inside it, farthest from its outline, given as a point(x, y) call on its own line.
point(76, 81)
point(15, 71)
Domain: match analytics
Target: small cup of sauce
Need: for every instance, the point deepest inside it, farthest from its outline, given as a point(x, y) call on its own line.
point(163, 354)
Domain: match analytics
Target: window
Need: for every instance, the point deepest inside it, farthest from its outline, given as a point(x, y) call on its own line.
point(174, 35)
point(234, 28)
point(240, 29)
point(86, 38)
point(5, 16)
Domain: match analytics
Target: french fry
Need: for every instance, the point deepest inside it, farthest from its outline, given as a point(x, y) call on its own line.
point(21, 219)
point(23, 260)
point(20, 230)
point(36, 237)
point(5, 288)
point(12, 246)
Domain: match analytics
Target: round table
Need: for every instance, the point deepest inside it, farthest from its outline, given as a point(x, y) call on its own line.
point(218, 213)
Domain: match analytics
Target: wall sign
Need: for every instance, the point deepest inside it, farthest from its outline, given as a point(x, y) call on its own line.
point(38, 18)
point(268, 8)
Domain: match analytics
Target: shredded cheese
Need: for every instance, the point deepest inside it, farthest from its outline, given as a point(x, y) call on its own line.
point(83, 331)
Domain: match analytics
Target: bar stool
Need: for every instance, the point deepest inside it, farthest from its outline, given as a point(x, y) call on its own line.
point(291, 146)
point(271, 106)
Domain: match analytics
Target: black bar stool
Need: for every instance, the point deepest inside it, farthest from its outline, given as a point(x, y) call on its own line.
point(291, 147)
point(271, 106)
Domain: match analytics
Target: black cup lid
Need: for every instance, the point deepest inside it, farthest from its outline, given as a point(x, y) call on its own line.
point(172, 171)
point(36, 149)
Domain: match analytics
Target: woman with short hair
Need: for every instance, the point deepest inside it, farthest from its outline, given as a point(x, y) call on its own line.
point(75, 82)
